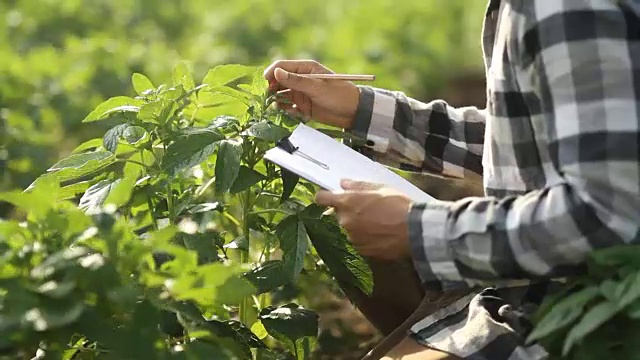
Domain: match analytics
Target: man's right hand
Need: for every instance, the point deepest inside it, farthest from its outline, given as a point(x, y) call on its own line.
point(332, 102)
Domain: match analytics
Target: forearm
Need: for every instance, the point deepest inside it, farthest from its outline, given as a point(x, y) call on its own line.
point(421, 136)
point(545, 234)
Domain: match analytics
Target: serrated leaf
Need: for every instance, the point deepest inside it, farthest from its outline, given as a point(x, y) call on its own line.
point(95, 196)
point(133, 134)
point(112, 137)
point(294, 243)
point(112, 105)
point(563, 313)
point(223, 75)
point(591, 320)
point(246, 178)
point(190, 149)
point(267, 276)
point(266, 131)
point(79, 160)
point(227, 165)
point(141, 83)
point(289, 182)
point(182, 75)
point(343, 261)
point(292, 325)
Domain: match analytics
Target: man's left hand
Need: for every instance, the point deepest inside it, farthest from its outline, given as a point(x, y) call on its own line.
point(375, 218)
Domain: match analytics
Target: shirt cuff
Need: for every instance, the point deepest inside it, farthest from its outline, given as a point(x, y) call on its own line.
point(430, 250)
point(374, 118)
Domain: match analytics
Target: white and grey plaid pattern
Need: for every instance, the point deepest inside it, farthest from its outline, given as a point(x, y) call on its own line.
point(558, 147)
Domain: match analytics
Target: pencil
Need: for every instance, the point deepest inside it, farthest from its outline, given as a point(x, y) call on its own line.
point(348, 77)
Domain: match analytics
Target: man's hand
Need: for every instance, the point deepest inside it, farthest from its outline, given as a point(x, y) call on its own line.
point(332, 102)
point(375, 218)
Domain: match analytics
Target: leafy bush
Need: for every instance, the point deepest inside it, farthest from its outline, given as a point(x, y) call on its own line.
point(61, 58)
point(155, 239)
point(597, 316)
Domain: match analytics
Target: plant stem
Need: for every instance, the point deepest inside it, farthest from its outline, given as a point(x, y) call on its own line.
point(170, 202)
point(245, 304)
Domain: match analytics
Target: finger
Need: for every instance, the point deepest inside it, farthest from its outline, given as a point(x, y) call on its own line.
point(328, 198)
point(298, 82)
point(295, 66)
point(354, 185)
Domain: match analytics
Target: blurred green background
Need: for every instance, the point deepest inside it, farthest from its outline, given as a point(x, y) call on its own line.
point(60, 58)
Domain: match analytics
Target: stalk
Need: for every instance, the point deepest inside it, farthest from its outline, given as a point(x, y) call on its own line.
point(245, 304)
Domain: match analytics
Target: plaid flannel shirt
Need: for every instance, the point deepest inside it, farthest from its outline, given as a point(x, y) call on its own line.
point(558, 147)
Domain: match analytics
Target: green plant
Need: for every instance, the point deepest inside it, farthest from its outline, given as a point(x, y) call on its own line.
point(180, 234)
point(598, 315)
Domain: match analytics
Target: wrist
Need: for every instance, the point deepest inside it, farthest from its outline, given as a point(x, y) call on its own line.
point(353, 97)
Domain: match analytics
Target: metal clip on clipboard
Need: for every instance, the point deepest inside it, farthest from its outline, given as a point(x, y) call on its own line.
point(286, 145)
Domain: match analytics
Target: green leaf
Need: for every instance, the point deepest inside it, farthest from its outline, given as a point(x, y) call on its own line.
point(208, 284)
point(258, 330)
point(292, 325)
point(112, 137)
point(294, 243)
point(266, 131)
point(88, 145)
point(204, 244)
point(141, 83)
point(133, 134)
point(246, 178)
point(115, 104)
point(628, 290)
point(182, 75)
point(625, 255)
point(205, 207)
point(190, 149)
point(268, 276)
point(120, 193)
point(595, 317)
point(343, 261)
point(224, 75)
point(54, 314)
point(563, 313)
point(96, 195)
point(79, 160)
point(289, 182)
point(71, 191)
point(37, 202)
point(227, 165)
point(57, 290)
point(73, 168)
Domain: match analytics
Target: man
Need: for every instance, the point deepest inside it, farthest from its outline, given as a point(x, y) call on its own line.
point(558, 147)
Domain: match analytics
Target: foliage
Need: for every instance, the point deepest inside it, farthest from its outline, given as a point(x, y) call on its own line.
point(596, 317)
point(61, 58)
point(180, 235)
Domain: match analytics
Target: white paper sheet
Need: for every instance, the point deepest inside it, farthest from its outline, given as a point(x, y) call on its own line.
point(342, 162)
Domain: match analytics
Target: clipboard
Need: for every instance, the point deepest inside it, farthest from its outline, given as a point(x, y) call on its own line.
point(325, 161)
